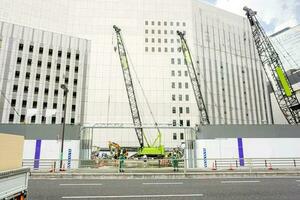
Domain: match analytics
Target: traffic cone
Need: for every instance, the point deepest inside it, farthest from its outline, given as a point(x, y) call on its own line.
point(270, 167)
point(214, 167)
point(63, 168)
point(230, 168)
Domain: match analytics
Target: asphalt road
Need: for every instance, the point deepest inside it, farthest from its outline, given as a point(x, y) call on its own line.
point(233, 189)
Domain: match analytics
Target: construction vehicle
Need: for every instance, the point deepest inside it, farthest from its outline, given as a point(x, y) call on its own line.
point(116, 150)
point(156, 149)
point(275, 72)
point(204, 120)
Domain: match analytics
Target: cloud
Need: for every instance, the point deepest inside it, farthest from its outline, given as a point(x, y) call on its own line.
point(277, 14)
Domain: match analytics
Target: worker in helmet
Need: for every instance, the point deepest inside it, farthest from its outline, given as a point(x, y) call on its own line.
point(121, 163)
point(175, 162)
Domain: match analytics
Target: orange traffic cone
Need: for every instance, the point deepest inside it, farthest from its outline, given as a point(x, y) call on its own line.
point(214, 166)
point(270, 167)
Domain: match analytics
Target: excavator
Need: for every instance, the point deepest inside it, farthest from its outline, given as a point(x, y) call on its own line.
point(116, 150)
point(156, 149)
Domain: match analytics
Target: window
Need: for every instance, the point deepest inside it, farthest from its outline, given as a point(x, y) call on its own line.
point(73, 107)
point(152, 40)
point(34, 104)
point(58, 66)
point(179, 85)
point(63, 107)
point(158, 23)
point(183, 24)
point(173, 110)
point(76, 69)
point(186, 85)
point(159, 49)
point(172, 40)
point(172, 32)
point(146, 22)
point(43, 119)
point(59, 53)
point(153, 49)
point(46, 91)
point(180, 110)
point(159, 31)
point(180, 97)
point(171, 23)
point(179, 73)
point(25, 89)
point(37, 77)
point(55, 92)
point(166, 40)
point(21, 47)
point(50, 52)
point(188, 123)
point(54, 105)
point(19, 60)
point(66, 80)
point(181, 122)
point(173, 84)
point(177, 23)
point(68, 55)
point(33, 119)
point(185, 73)
point(17, 74)
point(72, 120)
point(187, 110)
point(174, 123)
point(146, 49)
point(172, 61)
point(165, 32)
point(13, 102)
point(27, 76)
point(49, 65)
point(165, 23)
point(178, 61)
point(41, 50)
point(30, 48)
point(173, 97)
point(36, 90)
point(11, 117)
point(172, 49)
point(77, 56)
point(187, 97)
point(67, 68)
point(75, 81)
point(53, 120)
point(15, 88)
point(172, 73)
point(47, 77)
point(22, 119)
point(146, 40)
point(29, 61)
point(24, 103)
point(159, 40)
point(74, 94)
point(174, 136)
point(166, 49)
point(146, 31)
point(44, 105)
point(39, 63)
point(152, 31)
point(181, 136)
point(57, 79)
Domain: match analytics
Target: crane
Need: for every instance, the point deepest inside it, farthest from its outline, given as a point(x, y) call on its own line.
point(204, 120)
point(280, 84)
point(155, 149)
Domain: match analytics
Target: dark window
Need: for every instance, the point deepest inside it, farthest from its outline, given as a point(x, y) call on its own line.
point(34, 104)
point(21, 47)
point(174, 136)
point(50, 52)
point(173, 110)
point(29, 61)
point(66, 80)
point(43, 119)
point(54, 105)
point(36, 90)
point(63, 107)
point(76, 69)
point(46, 91)
point(75, 81)
point(77, 56)
point(15, 88)
point(67, 68)
point(181, 122)
point(26, 89)
point(17, 74)
point(37, 77)
point(74, 94)
point(187, 110)
point(22, 118)
point(19, 60)
point(181, 136)
point(73, 107)
point(47, 77)
point(31, 48)
point(27, 75)
point(72, 120)
point(58, 66)
point(53, 120)
point(33, 119)
point(174, 122)
point(24, 103)
point(55, 92)
point(49, 65)
point(59, 54)
point(13, 102)
point(44, 105)
point(41, 50)
point(11, 117)
point(69, 55)
point(180, 110)
point(39, 63)
point(62, 120)
point(188, 123)
point(57, 79)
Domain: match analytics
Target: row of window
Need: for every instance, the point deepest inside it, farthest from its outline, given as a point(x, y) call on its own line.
point(49, 64)
point(186, 85)
point(179, 61)
point(50, 51)
point(175, 136)
point(180, 97)
point(179, 73)
point(159, 40)
point(165, 23)
point(36, 91)
point(180, 110)
point(33, 119)
point(180, 122)
point(45, 105)
point(159, 49)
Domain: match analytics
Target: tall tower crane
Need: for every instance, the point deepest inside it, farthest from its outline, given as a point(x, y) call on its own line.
point(204, 120)
point(283, 90)
point(155, 149)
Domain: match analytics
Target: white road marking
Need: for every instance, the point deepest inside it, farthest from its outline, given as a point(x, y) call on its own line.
point(134, 196)
point(240, 181)
point(80, 184)
point(297, 180)
point(176, 183)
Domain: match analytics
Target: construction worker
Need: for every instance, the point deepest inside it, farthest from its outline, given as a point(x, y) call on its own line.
point(121, 163)
point(145, 160)
point(175, 162)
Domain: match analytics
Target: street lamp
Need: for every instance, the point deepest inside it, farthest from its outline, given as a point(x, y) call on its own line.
point(66, 90)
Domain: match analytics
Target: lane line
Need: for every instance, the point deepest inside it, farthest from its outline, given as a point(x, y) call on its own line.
point(80, 184)
point(240, 181)
point(133, 196)
point(176, 183)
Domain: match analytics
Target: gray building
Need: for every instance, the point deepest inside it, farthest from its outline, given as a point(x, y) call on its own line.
point(33, 65)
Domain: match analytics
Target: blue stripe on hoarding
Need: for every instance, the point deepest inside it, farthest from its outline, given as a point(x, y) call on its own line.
point(241, 151)
point(69, 158)
point(37, 153)
point(204, 157)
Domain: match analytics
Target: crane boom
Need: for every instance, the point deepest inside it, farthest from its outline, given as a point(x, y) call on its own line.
point(129, 87)
point(283, 90)
point(204, 120)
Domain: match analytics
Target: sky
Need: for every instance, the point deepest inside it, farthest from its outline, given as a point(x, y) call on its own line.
point(274, 15)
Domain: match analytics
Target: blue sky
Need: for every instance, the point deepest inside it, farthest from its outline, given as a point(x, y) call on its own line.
point(274, 15)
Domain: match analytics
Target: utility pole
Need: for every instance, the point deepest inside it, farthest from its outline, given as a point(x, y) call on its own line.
point(66, 90)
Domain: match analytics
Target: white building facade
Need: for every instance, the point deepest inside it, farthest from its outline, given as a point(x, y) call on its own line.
point(231, 77)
